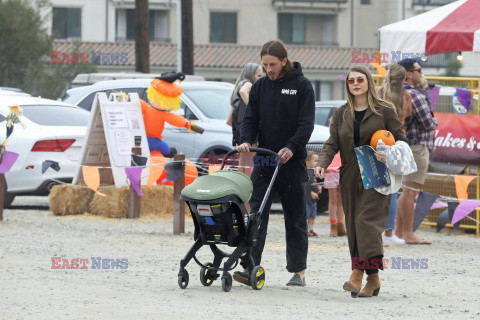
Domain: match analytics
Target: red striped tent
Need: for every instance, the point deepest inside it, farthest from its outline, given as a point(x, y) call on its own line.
point(451, 28)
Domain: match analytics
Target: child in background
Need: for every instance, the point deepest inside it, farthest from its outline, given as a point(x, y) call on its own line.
point(311, 192)
point(335, 208)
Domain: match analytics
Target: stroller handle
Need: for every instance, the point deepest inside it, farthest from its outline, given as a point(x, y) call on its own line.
point(252, 149)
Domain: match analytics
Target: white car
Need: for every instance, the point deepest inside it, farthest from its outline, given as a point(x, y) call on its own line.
point(205, 102)
point(53, 131)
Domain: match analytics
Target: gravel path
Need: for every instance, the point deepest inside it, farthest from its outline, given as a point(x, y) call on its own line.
point(30, 289)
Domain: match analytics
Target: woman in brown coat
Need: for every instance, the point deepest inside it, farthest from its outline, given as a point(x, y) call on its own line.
point(366, 211)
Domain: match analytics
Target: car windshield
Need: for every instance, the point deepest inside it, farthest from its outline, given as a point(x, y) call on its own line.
point(321, 115)
point(47, 115)
point(214, 103)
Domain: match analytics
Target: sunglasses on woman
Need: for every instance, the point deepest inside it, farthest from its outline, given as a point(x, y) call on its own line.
point(359, 80)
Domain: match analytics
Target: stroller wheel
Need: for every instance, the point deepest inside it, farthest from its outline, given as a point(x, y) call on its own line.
point(257, 278)
point(226, 282)
point(183, 279)
point(205, 278)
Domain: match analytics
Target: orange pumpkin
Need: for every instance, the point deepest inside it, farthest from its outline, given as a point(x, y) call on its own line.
point(385, 135)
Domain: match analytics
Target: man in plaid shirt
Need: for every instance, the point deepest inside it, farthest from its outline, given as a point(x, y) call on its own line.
point(420, 127)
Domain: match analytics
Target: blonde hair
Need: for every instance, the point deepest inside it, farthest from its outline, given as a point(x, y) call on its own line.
point(373, 99)
point(310, 155)
point(423, 84)
point(392, 89)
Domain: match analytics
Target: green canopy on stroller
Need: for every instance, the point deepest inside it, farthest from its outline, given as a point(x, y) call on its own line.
point(220, 184)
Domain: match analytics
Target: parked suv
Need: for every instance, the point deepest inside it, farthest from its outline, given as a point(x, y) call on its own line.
point(205, 102)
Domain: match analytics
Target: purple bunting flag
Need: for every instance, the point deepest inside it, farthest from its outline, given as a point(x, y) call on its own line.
point(8, 160)
point(465, 97)
point(423, 205)
point(134, 175)
point(464, 209)
point(434, 93)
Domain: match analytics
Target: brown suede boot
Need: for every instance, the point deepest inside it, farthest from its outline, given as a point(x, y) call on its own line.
point(341, 230)
point(355, 283)
point(372, 288)
point(333, 230)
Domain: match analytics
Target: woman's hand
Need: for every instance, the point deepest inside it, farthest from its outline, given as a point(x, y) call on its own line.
point(244, 147)
point(319, 172)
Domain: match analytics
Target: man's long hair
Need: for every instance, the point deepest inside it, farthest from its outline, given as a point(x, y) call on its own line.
point(276, 48)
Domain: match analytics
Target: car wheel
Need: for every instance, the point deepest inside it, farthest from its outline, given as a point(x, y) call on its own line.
point(213, 156)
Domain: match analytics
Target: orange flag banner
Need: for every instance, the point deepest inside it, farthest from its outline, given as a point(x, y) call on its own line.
point(156, 168)
point(91, 176)
point(461, 185)
point(213, 168)
point(380, 70)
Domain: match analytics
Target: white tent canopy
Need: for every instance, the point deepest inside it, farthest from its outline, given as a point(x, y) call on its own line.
point(451, 28)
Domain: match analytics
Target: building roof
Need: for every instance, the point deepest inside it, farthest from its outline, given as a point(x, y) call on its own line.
point(216, 55)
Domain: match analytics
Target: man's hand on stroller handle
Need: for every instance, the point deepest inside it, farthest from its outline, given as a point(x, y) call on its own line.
point(319, 172)
point(244, 147)
point(285, 154)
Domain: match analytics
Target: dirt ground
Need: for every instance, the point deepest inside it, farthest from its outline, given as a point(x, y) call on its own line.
point(30, 289)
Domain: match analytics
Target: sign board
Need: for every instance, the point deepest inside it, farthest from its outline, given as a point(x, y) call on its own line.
point(114, 124)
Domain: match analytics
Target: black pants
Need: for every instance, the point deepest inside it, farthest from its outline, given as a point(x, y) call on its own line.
point(290, 184)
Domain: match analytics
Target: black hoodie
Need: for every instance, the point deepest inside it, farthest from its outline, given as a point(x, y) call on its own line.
point(281, 112)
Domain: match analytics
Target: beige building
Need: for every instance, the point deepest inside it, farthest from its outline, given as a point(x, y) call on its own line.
point(333, 26)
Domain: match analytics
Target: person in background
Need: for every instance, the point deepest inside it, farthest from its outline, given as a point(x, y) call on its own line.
point(335, 208)
point(392, 90)
point(420, 128)
point(239, 100)
point(311, 193)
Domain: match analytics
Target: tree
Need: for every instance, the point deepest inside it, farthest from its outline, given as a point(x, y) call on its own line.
point(453, 67)
point(25, 50)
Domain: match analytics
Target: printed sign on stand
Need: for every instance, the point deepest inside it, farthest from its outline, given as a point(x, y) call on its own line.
point(114, 123)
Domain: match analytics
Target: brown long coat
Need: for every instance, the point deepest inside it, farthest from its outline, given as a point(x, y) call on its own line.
point(366, 211)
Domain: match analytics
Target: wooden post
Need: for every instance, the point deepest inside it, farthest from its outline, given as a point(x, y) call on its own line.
point(142, 36)
point(2, 193)
point(133, 197)
point(179, 205)
point(2, 186)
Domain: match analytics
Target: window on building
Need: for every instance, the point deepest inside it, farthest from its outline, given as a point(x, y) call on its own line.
point(294, 28)
point(125, 20)
point(223, 27)
point(365, 1)
point(67, 23)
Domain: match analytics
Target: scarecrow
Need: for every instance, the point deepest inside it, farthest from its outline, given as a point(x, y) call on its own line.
point(164, 96)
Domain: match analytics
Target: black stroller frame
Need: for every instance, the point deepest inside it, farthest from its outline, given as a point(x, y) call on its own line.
point(248, 233)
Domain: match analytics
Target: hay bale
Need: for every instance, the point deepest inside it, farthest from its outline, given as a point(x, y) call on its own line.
point(157, 201)
point(114, 205)
point(69, 199)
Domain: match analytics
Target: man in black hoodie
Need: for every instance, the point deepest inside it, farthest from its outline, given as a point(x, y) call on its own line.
point(281, 111)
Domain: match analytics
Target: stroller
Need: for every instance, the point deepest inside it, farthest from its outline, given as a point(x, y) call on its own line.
point(217, 204)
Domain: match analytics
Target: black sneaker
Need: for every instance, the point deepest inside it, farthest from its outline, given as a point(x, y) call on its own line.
point(242, 277)
point(296, 281)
